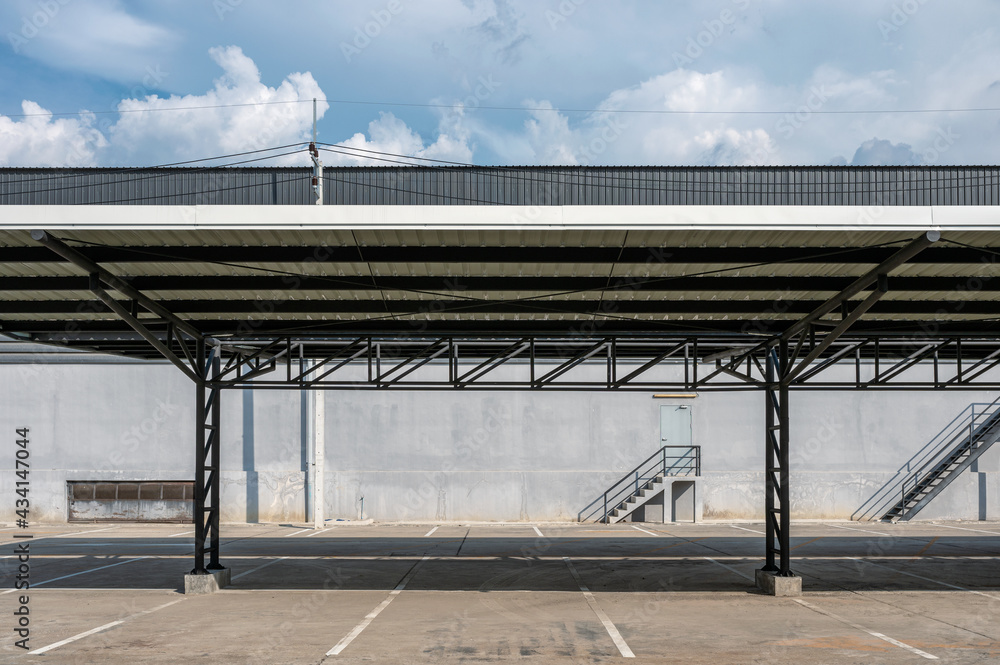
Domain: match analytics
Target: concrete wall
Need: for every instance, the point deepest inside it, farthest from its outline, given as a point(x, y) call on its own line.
point(463, 455)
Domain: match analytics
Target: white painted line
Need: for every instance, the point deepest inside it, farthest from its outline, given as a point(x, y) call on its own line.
point(254, 570)
point(644, 531)
point(851, 528)
point(183, 533)
point(616, 637)
point(124, 543)
point(101, 628)
point(431, 532)
point(750, 530)
point(344, 643)
point(730, 569)
point(926, 579)
point(61, 535)
point(315, 533)
point(82, 572)
point(992, 533)
point(885, 638)
point(77, 533)
point(295, 533)
point(540, 534)
point(76, 637)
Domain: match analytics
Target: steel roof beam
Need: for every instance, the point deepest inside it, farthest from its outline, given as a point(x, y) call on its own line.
point(113, 281)
point(505, 254)
point(537, 306)
point(784, 283)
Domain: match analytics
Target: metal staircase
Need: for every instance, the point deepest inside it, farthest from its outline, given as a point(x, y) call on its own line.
point(975, 431)
point(643, 483)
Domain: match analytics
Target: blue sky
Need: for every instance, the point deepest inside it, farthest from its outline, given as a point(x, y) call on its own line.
point(632, 80)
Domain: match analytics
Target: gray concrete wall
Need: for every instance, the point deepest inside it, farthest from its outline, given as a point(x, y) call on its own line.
point(464, 455)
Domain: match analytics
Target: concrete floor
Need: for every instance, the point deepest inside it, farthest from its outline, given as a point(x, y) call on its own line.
point(547, 593)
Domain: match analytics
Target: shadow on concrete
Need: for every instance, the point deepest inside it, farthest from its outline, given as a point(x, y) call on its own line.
point(605, 564)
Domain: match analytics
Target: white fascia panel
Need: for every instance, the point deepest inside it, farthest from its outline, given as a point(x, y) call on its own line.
point(792, 218)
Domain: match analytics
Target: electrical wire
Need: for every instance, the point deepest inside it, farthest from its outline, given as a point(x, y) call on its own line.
point(85, 171)
point(520, 109)
point(154, 176)
point(511, 173)
point(518, 173)
point(347, 283)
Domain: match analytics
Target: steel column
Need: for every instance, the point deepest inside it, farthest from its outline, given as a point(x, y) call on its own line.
point(784, 507)
point(777, 508)
point(207, 473)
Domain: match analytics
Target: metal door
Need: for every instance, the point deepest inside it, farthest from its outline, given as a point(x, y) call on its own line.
point(675, 425)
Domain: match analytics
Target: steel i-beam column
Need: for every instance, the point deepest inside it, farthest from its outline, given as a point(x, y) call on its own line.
point(776, 577)
point(200, 498)
point(771, 468)
point(784, 507)
point(214, 444)
point(208, 476)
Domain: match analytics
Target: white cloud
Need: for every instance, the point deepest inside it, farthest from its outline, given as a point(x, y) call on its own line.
point(239, 114)
point(254, 117)
point(389, 134)
point(42, 140)
point(876, 152)
point(97, 36)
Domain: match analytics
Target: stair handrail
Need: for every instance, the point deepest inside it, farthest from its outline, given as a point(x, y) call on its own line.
point(691, 460)
point(947, 439)
point(974, 433)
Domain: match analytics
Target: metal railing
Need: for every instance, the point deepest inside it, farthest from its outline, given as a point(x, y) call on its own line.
point(667, 461)
point(964, 429)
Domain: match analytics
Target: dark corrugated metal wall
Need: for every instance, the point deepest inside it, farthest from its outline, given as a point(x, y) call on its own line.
point(891, 186)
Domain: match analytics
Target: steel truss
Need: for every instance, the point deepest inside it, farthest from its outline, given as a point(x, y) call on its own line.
point(631, 363)
point(806, 354)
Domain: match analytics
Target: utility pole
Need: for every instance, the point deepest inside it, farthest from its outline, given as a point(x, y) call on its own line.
point(317, 180)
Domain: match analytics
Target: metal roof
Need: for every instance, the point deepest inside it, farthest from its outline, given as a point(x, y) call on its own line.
point(545, 186)
point(664, 259)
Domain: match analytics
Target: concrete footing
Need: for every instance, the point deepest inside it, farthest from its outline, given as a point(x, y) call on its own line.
point(201, 584)
point(775, 585)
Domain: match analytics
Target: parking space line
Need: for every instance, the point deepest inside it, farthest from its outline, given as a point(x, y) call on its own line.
point(644, 531)
point(729, 568)
point(962, 528)
point(926, 579)
point(316, 533)
point(61, 535)
point(746, 529)
point(350, 637)
point(254, 570)
point(183, 533)
point(431, 532)
point(295, 533)
point(616, 636)
point(850, 528)
point(885, 638)
point(99, 629)
point(82, 572)
point(540, 535)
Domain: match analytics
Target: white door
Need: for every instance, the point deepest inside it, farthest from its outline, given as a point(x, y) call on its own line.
point(675, 425)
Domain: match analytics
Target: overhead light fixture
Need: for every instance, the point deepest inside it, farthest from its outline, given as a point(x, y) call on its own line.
point(675, 395)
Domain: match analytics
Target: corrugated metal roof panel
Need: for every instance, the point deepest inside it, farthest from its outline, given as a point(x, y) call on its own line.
point(785, 185)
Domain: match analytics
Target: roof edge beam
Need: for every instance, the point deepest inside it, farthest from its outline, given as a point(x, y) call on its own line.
point(146, 334)
point(915, 246)
point(113, 281)
point(841, 328)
